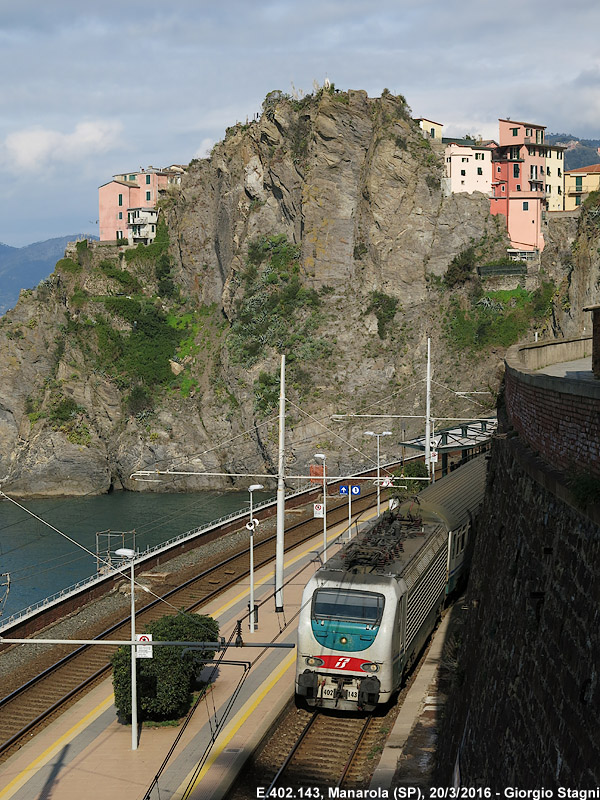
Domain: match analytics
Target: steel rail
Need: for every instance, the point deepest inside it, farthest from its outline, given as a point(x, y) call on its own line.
point(47, 673)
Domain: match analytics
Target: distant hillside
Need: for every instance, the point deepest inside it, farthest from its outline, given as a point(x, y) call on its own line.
point(580, 152)
point(25, 267)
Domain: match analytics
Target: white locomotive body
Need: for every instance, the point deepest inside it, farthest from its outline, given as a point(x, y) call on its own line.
point(368, 611)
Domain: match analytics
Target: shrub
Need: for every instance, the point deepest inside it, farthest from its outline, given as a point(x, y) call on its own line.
point(266, 392)
point(413, 469)
point(499, 318)
point(68, 265)
point(165, 681)
point(268, 313)
point(122, 276)
point(143, 354)
point(64, 410)
point(139, 400)
point(384, 307)
point(460, 268)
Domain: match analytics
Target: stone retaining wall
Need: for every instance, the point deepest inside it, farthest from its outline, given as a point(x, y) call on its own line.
point(524, 707)
point(558, 417)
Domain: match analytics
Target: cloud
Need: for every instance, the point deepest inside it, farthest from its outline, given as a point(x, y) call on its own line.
point(38, 148)
point(204, 148)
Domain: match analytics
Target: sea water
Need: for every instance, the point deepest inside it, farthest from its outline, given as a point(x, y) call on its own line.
point(41, 561)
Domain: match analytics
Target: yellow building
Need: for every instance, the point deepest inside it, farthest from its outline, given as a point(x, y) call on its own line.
point(579, 183)
point(431, 129)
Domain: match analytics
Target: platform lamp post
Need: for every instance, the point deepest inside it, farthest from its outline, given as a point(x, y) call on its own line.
point(321, 457)
point(251, 525)
point(378, 435)
point(125, 552)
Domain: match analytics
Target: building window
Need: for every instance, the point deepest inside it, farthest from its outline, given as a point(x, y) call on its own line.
point(479, 171)
point(515, 152)
point(502, 187)
point(527, 131)
point(132, 178)
point(479, 156)
point(578, 200)
point(120, 215)
point(465, 160)
point(548, 171)
point(515, 131)
point(120, 199)
point(559, 190)
point(518, 187)
point(147, 195)
point(147, 178)
point(525, 205)
point(559, 172)
point(498, 169)
point(516, 171)
point(578, 183)
point(431, 133)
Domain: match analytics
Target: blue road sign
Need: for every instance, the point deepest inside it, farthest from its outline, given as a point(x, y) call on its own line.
point(355, 490)
point(343, 490)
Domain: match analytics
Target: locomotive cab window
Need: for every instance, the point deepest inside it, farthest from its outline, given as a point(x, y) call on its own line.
point(349, 605)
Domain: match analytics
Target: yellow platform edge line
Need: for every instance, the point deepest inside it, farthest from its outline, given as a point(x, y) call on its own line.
point(232, 728)
point(21, 779)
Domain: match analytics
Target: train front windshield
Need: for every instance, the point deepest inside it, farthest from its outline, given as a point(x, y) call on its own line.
point(349, 605)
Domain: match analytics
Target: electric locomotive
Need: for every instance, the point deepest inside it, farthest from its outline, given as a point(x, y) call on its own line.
point(368, 611)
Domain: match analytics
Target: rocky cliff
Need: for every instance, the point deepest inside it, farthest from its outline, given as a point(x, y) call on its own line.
point(318, 230)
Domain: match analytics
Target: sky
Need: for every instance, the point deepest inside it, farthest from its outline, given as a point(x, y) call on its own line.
point(91, 89)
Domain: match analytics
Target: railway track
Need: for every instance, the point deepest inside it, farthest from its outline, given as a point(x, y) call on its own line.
point(323, 753)
point(37, 702)
point(316, 752)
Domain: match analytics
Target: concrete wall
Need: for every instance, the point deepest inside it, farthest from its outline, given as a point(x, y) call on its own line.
point(559, 418)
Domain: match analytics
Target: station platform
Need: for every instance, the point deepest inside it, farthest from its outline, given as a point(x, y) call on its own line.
point(86, 753)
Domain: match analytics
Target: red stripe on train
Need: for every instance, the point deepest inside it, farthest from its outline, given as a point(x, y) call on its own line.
point(347, 663)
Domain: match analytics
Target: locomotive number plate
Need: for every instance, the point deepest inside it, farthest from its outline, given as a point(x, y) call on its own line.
point(352, 693)
point(329, 692)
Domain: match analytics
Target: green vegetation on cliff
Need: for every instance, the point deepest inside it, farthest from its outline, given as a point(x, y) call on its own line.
point(275, 310)
point(497, 318)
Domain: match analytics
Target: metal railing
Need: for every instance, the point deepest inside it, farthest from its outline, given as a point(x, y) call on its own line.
point(92, 580)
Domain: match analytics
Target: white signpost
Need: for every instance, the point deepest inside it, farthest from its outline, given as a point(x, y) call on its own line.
point(319, 510)
point(143, 650)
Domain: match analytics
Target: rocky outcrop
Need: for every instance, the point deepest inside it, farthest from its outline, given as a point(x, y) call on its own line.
point(352, 186)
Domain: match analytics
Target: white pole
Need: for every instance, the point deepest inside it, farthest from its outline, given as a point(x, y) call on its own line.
point(134, 719)
point(324, 513)
point(378, 471)
point(126, 552)
point(349, 510)
point(251, 568)
point(428, 412)
point(321, 457)
point(251, 525)
point(279, 544)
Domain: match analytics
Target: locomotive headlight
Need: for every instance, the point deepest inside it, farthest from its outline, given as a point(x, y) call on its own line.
point(370, 667)
point(344, 639)
point(314, 662)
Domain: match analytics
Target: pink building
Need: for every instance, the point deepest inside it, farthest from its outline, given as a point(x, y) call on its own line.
point(128, 203)
point(518, 182)
point(467, 166)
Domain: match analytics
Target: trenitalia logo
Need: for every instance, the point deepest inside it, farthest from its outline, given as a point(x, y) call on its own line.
point(346, 663)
